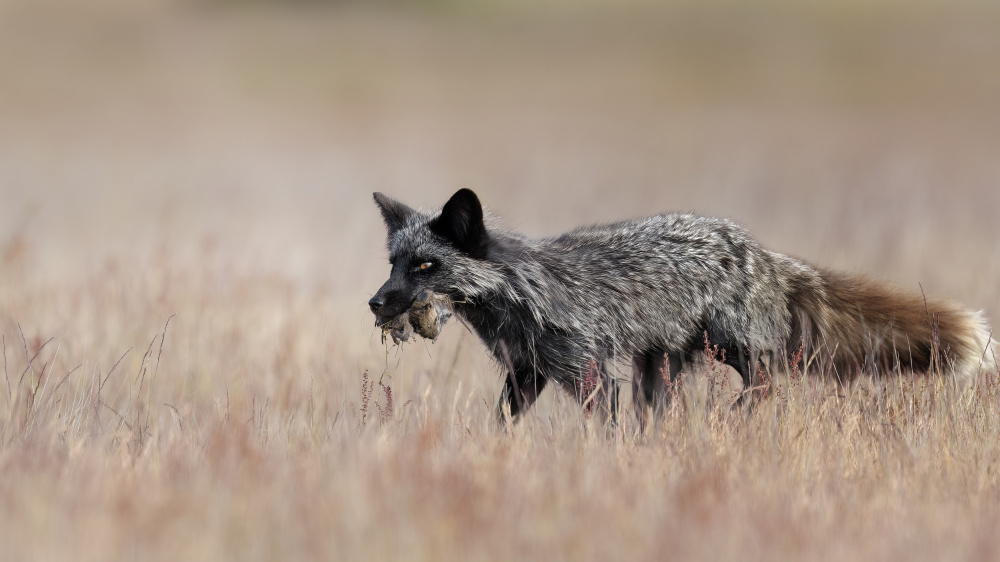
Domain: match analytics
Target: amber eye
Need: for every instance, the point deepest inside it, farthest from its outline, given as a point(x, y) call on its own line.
point(425, 266)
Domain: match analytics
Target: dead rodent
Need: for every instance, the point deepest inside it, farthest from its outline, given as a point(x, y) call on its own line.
point(426, 317)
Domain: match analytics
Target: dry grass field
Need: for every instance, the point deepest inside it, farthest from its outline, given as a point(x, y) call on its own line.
point(188, 242)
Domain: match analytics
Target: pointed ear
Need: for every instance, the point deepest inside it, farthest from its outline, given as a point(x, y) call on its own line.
point(394, 213)
point(461, 223)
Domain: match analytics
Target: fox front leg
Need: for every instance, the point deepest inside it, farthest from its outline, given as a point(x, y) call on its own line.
point(520, 391)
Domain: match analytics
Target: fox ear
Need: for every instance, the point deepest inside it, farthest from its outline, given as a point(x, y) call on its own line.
point(394, 213)
point(461, 223)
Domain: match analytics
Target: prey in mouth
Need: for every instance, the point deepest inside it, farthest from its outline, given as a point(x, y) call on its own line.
point(425, 317)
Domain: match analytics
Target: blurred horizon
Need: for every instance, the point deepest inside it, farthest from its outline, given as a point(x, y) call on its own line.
point(859, 135)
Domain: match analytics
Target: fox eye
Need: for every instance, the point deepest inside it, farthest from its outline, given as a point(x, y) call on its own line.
point(424, 266)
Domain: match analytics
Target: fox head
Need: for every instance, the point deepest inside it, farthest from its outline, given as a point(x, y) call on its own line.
point(441, 252)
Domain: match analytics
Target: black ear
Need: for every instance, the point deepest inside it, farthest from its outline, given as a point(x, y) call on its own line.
point(461, 223)
point(394, 213)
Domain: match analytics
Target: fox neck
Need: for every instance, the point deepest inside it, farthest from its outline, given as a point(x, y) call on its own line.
point(495, 319)
point(503, 319)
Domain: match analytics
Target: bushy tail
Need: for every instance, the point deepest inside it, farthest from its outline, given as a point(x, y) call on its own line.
point(856, 324)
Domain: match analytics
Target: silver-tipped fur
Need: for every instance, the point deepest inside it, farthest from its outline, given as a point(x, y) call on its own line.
point(651, 292)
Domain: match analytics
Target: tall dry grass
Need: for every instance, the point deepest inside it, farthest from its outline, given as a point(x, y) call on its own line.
point(263, 448)
point(187, 243)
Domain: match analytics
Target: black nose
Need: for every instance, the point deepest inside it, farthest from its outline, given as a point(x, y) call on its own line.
point(375, 304)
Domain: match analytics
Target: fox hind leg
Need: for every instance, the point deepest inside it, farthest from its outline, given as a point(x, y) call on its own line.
point(597, 390)
point(649, 385)
point(748, 365)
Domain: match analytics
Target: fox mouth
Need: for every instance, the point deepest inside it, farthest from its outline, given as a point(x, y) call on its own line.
point(426, 316)
point(383, 321)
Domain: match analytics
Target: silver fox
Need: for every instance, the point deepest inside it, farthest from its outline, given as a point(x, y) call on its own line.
point(652, 291)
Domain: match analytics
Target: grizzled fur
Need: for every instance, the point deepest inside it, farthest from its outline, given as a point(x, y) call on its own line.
point(650, 291)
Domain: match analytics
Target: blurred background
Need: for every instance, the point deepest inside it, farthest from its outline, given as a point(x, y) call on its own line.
point(185, 209)
point(217, 158)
